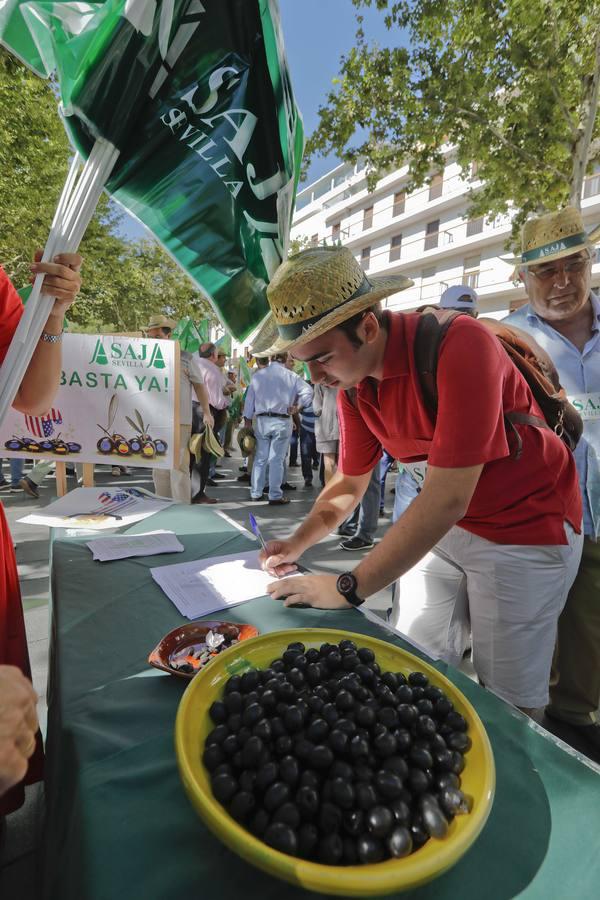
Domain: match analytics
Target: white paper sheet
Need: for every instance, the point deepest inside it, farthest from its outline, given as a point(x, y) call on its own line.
point(122, 546)
point(208, 585)
point(98, 508)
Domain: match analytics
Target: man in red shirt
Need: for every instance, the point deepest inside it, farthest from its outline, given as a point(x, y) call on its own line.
point(492, 542)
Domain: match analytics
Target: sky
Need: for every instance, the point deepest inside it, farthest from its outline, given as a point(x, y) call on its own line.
point(316, 34)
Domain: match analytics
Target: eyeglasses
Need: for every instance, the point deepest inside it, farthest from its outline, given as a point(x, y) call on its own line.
point(575, 266)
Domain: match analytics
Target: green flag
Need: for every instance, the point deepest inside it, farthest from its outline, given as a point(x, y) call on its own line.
point(196, 96)
point(203, 329)
point(185, 332)
point(224, 344)
point(245, 373)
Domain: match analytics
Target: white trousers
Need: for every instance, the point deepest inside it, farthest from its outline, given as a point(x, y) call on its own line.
point(176, 483)
point(506, 597)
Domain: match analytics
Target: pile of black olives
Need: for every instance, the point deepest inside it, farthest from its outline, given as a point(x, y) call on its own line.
point(326, 757)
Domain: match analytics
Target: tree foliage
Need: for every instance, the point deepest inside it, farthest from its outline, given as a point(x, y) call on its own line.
point(123, 281)
point(512, 84)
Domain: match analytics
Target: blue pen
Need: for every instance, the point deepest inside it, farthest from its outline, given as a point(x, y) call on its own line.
point(256, 530)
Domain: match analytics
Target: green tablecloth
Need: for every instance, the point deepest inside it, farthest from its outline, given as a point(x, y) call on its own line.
point(119, 822)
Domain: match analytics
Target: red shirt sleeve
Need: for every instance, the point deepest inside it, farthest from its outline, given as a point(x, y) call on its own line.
point(472, 370)
point(360, 450)
point(11, 310)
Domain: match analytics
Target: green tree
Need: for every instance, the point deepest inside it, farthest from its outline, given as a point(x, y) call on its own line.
point(512, 84)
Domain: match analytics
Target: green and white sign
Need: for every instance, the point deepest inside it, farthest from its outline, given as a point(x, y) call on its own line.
point(196, 97)
point(115, 404)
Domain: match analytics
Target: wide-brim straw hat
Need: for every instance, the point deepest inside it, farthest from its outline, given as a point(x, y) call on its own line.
point(317, 289)
point(553, 236)
point(206, 440)
point(246, 440)
point(265, 337)
point(160, 322)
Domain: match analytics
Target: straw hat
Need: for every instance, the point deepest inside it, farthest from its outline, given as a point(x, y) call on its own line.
point(246, 440)
point(553, 236)
point(160, 322)
point(205, 441)
point(317, 289)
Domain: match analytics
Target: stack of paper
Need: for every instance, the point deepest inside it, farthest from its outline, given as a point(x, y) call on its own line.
point(209, 585)
point(121, 546)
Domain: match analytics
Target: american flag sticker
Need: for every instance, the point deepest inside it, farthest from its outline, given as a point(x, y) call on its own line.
point(43, 426)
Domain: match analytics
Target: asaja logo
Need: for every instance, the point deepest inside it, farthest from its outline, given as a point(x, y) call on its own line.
point(128, 354)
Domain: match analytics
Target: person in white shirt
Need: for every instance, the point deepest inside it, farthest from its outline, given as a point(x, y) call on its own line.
point(176, 482)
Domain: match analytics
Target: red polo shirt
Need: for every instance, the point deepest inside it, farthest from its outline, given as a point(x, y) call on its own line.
point(516, 501)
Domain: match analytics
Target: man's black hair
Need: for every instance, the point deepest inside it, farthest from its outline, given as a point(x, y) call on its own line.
point(350, 326)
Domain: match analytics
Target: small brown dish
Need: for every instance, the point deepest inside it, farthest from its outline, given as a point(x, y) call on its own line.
point(184, 651)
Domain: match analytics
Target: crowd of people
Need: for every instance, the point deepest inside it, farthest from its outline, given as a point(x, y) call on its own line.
point(493, 543)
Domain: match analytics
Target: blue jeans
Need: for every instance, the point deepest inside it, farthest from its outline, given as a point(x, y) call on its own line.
point(406, 491)
point(16, 470)
point(308, 448)
point(366, 515)
point(272, 444)
point(385, 464)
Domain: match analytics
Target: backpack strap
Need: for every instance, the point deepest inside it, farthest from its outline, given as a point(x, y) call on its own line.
point(431, 329)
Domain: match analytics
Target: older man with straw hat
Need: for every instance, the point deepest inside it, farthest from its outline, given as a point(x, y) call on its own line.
point(491, 545)
point(563, 316)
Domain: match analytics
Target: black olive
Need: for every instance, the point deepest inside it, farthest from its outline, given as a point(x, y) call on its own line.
point(353, 822)
point(395, 764)
point(366, 675)
point(418, 679)
point(425, 726)
point(450, 800)
point(251, 752)
point(331, 849)
point(296, 678)
point(365, 716)
point(289, 657)
point(223, 769)
point(403, 739)
point(379, 820)
point(308, 837)
point(281, 837)
point(252, 714)
point(443, 760)
point(388, 784)
point(458, 762)
point(388, 716)
point(276, 794)
point(400, 842)
point(401, 810)
point(369, 849)
point(404, 694)
point(365, 795)
point(289, 770)
point(315, 704)
point(458, 740)
point(344, 701)
point(313, 674)
point(293, 719)
point(242, 805)
point(244, 733)
point(297, 645)
point(350, 661)
point(407, 713)
point(286, 692)
point(307, 800)
point(456, 721)
point(333, 660)
point(385, 696)
point(338, 741)
point(434, 821)
point(303, 748)
point(420, 758)
point(217, 735)
point(418, 834)
point(268, 700)
point(346, 725)
point(347, 644)
point(365, 654)
point(425, 707)
point(250, 681)
point(442, 708)
point(277, 727)
point(283, 745)
point(330, 818)
point(446, 780)
point(341, 769)
point(236, 760)
point(342, 793)
point(259, 822)
point(350, 854)
point(234, 702)
point(218, 712)
point(212, 757)
point(437, 743)
point(266, 775)
point(358, 747)
point(317, 731)
point(418, 694)
point(385, 744)
point(223, 787)
point(320, 757)
point(301, 662)
point(434, 694)
point(418, 781)
point(312, 655)
point(233, 684)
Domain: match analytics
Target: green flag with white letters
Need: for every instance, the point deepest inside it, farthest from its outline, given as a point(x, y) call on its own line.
point(196, 97)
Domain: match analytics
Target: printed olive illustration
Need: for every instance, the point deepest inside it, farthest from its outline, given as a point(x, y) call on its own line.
point(148, 449)
point(161, 446)
point(15, 444)
point(135, 445)
point(73, 447)
point(121, 445)
point(105, 445)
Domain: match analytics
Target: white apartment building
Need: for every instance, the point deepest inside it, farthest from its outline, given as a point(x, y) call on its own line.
point(425, 235)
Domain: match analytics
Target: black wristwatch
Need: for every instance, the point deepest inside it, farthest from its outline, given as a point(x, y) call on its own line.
point(346, 586)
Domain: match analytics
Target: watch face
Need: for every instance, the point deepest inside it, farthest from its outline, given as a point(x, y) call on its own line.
point(346, 583)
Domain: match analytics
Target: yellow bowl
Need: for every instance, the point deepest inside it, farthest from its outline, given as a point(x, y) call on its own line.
point(193, 724)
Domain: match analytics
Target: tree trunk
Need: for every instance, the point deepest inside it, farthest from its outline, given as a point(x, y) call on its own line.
point(581, 147)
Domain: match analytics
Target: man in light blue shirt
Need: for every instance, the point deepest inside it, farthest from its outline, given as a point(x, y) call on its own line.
point(273, 393)
point(563, 316)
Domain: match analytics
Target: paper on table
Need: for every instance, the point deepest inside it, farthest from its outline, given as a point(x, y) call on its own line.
point(98, 508)
point(207, 585)
point(122, 546)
